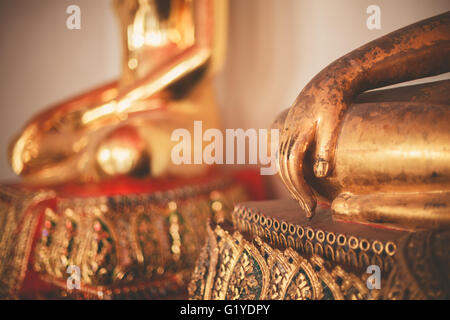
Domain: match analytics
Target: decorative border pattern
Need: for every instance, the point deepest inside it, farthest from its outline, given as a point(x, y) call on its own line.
point(122, 243)
point(234, 267)
point(231, 267)
point(344, 249)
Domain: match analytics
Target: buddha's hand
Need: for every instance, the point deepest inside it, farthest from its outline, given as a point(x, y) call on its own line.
point(312, 124)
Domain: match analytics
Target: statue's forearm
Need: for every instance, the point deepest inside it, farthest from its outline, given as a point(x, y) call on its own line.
point(416, 51)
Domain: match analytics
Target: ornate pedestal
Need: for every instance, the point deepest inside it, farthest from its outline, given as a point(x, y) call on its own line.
point(128, 238)
point(273, 252)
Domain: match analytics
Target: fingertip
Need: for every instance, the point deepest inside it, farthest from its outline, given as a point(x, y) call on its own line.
point(309, 214)
point(321, 168)
point(308, 205)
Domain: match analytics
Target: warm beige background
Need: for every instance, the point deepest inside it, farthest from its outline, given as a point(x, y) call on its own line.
point(275, 48)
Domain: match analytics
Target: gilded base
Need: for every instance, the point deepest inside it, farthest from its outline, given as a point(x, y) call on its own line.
point(140, 245)
point(271, 253)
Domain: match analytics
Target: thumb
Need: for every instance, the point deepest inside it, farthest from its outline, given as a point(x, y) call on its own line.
point(326, 139)
point(292, 171)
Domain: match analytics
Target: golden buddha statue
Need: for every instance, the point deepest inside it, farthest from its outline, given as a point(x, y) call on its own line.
point(380, 156)
point(171, 50)
point(100, 193)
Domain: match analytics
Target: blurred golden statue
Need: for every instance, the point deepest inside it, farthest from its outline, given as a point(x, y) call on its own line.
point(171, 50)
point(380, 156)
point(127, 237)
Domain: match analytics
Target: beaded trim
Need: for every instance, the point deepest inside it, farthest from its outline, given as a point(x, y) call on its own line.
point(230, 267)
point(342, 248)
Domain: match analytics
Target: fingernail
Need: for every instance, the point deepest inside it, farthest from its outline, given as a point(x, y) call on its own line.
point(320, 168)
point(339, 205)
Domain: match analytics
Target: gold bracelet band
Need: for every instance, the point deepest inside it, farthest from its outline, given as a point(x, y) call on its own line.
point(231, 267)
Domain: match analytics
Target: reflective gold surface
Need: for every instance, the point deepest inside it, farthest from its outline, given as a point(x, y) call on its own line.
point(381, 157)
point(273, 254)
point(171, 50)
